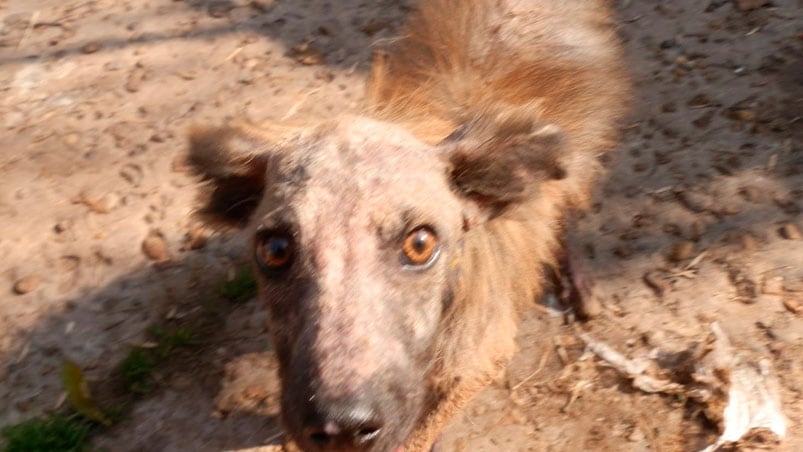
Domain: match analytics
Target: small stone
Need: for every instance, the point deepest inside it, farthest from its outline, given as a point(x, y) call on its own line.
point(794, 305)
point(71, 139)
point(696, 202)
point(262, 6)
point(681, 251)
point(789, 231)
point(743, 114)
point(26, 284)
point(306, 54)
point(155, 248)
point(180, 164)
point(637, 436)
point(730, 209)
point(91, 47)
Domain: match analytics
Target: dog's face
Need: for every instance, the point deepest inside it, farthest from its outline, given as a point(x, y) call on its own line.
point(357, 230)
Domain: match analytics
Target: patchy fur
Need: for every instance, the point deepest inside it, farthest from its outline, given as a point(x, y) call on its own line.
point(485, 125)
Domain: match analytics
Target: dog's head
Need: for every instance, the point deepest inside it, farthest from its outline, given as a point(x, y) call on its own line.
point(357, 229)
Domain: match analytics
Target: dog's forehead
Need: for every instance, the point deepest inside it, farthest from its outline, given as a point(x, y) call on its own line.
point(361, 166)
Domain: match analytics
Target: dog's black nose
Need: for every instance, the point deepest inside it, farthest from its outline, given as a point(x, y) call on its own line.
point(342, 425)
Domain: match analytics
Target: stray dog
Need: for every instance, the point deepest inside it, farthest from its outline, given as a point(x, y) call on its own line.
point(397, 248)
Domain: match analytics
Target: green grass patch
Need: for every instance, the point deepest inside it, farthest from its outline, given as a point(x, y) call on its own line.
point(47, 434)
point(139, 365)
point(241, 288)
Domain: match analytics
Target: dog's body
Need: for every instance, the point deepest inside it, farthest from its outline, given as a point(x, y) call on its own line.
point(396, 249)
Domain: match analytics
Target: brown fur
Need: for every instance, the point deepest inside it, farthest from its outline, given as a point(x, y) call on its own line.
point(486, 122)
point(450, 69)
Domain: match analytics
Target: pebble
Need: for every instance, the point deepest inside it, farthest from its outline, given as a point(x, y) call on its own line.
point(91, 47)
point(789, 231)
point(681, 251)
point(743, 114)
point(154, 247)
point(794, 305)
point(71, 139)
point(637, 436)
point(696, 202)
point(26, 284)
point(306, 54)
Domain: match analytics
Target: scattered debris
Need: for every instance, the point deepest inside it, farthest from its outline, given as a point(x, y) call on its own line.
point(739, 392)
point(250, 385)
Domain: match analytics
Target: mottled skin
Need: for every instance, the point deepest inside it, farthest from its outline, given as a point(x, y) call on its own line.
point(349, 317)
point(483, 126)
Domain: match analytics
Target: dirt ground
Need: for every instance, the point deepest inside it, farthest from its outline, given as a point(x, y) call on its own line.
point(698, 220)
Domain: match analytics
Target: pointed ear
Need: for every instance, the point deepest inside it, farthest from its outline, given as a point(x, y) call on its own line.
point(233, 163)
point(504, 169)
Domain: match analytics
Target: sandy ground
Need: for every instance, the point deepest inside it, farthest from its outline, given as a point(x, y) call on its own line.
point(95, 100)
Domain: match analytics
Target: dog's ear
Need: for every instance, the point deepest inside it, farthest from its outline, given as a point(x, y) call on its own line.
point(502, 168)
point(233, 164)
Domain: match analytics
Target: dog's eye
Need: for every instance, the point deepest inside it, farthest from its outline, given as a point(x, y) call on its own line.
point(274, 252)
point(420, 247)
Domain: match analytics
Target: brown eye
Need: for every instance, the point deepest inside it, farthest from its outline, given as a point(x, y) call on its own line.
point(274, 252)
point(420, 246)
